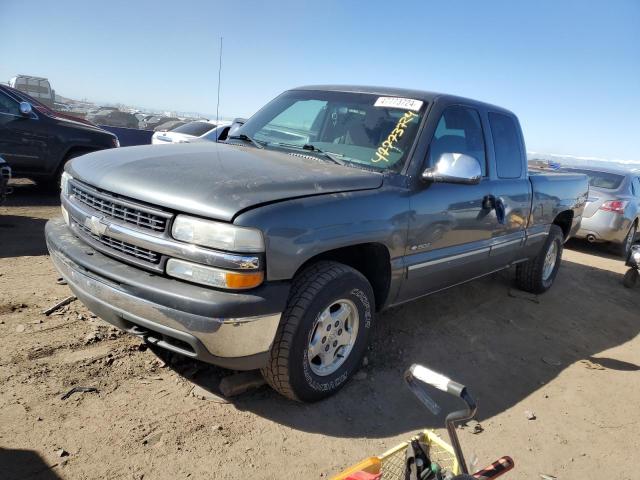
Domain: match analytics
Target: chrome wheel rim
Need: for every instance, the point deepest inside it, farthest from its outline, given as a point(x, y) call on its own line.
point(332, 337)
point(550, 261)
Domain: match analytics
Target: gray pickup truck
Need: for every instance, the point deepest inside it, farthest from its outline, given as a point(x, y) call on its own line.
point(274, 249)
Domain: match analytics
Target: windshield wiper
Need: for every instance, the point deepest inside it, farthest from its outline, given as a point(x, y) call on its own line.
point(246, 138)
point(331, 156)
point(311, 148)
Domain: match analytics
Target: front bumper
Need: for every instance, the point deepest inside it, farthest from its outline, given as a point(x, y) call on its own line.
point(232, 330)
point(605, 227)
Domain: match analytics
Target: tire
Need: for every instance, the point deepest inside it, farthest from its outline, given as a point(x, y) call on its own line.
point(293, 370)
point(531, 276)
point(625, 247)
point(630, 278)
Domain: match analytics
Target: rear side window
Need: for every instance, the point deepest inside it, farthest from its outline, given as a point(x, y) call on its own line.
point(506, 143)
point(459, 131)
point(635, 186)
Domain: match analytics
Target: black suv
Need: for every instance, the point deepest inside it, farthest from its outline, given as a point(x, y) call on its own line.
point(37, 141)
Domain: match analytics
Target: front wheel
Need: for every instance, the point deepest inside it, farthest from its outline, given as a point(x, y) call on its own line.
point(537, 275)
point(323, 333)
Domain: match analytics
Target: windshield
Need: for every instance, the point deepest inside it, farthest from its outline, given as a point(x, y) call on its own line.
point(360, 129)
point(609, 181)
point(195, 128)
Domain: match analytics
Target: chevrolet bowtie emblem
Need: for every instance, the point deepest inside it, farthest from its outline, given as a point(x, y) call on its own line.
point(95, 225)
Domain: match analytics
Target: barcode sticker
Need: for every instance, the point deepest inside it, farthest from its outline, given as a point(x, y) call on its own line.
point(397, 102)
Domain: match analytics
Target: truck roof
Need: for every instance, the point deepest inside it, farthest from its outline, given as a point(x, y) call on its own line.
point(402, 92)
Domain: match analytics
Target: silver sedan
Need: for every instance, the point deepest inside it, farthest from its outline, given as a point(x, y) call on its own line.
point(612, 212)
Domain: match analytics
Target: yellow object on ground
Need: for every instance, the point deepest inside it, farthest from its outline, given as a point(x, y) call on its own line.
point(369, 465)
point(392, 462)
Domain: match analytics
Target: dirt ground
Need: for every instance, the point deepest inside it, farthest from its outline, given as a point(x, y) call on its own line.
point(570, 356)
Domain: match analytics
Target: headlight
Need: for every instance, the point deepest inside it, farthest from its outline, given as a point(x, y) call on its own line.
point(211, 276)
point(64, 182)
point(217, 235)
point(636, 257)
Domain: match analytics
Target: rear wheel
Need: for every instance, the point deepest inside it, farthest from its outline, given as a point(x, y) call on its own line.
point(537, 275)
point(625, 247)
point(323, 333)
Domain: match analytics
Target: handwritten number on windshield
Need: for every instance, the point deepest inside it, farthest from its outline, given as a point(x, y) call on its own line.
point(382, 153)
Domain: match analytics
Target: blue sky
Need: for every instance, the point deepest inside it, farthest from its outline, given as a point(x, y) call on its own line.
point(569, 69)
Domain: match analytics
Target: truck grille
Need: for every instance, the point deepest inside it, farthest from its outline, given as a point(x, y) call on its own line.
point(112, 207)
point(122, 247)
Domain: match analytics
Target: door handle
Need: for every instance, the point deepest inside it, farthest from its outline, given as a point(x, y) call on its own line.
point(490, 202)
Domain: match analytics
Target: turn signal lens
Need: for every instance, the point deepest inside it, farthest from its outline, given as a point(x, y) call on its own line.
point(211, 276)
point(240, 281)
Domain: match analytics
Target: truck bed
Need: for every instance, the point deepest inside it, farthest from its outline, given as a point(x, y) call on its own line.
point(557, 192)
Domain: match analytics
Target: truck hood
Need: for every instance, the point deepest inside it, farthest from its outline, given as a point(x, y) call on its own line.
point(215, 180)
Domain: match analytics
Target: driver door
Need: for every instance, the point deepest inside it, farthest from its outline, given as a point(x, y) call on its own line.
point(20, 145)
point(451, 225)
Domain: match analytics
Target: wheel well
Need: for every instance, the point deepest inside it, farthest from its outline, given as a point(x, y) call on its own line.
point(564, 221)
point(371, 259)
point(77, 150)
point(72, 151)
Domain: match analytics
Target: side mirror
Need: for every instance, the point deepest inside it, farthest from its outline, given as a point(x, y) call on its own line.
point(25, 108)
point(454, 168)
point(235, 125)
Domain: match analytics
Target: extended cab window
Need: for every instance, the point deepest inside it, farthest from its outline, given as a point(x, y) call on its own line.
point(506, 143)
point(8, 105)
point(459, 131)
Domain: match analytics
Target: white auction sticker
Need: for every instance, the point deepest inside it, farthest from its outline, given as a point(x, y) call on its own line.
point(397, 102)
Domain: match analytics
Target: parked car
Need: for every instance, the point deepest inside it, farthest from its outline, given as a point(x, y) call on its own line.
point(37, 142)
point(263, 253)
point(155, 120)
point(186, 132)
point(114, 118)
point(105, 108)
point(5, 177)
point(612, 212)
point(170, 125)
point(218, 134)
point(140, 117)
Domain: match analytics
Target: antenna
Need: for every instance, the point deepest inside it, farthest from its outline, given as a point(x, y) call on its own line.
point(219, 74)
